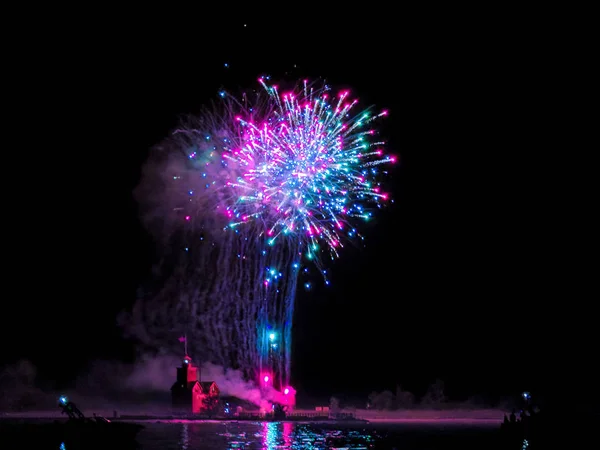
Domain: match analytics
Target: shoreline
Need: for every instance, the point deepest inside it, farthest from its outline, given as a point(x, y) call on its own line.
point(450, 417)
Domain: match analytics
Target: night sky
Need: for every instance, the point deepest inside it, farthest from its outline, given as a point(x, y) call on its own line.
point(450, 282)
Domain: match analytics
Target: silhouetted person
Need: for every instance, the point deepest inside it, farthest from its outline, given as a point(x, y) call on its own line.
point(513, 417)
point(70, 409)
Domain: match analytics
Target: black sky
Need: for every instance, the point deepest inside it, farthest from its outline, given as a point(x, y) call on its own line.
point(453, 274)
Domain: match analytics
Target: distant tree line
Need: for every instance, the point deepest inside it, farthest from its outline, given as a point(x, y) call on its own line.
point(434, 398)
point(18, 391)
point(387, 400)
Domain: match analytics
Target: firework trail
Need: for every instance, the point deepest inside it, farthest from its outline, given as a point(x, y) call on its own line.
point(251, 195)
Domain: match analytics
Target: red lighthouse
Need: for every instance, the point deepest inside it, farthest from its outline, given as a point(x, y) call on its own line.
point(189, 394)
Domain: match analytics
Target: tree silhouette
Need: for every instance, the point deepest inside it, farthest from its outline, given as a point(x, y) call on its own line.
point(381, 400)
point(334, 404)
point(404, 399)
point(17, 387)
point(435, 394)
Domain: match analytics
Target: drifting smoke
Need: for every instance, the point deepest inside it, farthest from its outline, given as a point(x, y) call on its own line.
point(152, 377)
point(201, 287)
point(143, 387)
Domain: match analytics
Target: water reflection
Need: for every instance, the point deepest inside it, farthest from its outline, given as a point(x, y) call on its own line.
point(269, 435)
point(287, 435)
point(185, 437)
point(277, 435)
point(245, 435)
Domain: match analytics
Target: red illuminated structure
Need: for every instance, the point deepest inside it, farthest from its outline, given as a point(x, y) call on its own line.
point(286, 398)
point(289, 398)
point(189, 394)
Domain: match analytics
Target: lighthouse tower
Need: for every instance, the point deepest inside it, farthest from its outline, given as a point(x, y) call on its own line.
point(188, 372)
point(188, 394)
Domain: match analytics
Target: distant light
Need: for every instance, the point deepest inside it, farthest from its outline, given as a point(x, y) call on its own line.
point(186, 361)
point(266, 378)
point(272, 336)
point(63, 400)
point(286, 391)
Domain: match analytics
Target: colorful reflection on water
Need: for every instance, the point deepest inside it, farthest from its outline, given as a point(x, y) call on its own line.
point(217, 435)
point(277, 435)
point(253, 435)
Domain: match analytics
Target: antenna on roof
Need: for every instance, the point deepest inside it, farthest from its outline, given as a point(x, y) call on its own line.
point(183, 339)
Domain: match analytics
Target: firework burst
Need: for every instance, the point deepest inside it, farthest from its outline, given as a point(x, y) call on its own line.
point(306, 170)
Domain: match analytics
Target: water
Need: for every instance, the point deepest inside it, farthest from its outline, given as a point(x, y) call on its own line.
point(286, 435)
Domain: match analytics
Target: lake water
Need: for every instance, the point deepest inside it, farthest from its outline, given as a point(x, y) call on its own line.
point(286, 435)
